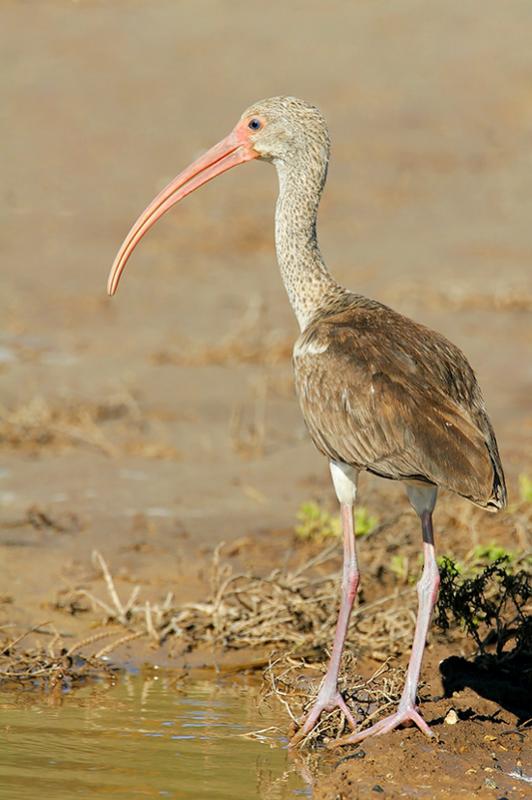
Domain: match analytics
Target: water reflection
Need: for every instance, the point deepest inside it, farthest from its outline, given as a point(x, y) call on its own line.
point(144, 737)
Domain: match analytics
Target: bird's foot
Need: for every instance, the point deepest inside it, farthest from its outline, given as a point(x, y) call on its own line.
point(326, 702)
point(406, 716)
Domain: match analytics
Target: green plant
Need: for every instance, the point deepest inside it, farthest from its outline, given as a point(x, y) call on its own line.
point(477, 559)
point(365, 522)
point(457, 565)
point(489, 553)
point(316, 523)
point(525, 488)
point(399, 565)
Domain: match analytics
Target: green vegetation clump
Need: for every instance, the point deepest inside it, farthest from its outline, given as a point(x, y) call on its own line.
point(489, 553)
point(400, 566)
point(479, 557)
point(525, 488)
point(316, 524)
point(407, 570)
point(365, 522)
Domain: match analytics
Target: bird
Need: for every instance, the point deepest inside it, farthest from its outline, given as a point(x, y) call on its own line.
point(378, 391)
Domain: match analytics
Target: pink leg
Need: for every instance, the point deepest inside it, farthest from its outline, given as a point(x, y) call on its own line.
point(329, 697)
point(427, 588)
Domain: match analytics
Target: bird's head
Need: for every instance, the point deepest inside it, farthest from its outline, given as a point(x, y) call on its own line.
point(284, 128)
point(280, 129)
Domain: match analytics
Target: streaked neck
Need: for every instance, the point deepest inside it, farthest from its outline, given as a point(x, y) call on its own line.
point(308, 283)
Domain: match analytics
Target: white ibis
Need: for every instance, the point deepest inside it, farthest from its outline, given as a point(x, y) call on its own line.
point(378, 391)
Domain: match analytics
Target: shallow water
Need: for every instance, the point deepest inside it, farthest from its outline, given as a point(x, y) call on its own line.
point(143, 737)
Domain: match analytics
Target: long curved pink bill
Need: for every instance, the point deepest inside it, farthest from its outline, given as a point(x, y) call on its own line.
point(228, 153)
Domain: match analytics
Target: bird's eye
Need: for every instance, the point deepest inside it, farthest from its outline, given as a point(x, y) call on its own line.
point(255, 124)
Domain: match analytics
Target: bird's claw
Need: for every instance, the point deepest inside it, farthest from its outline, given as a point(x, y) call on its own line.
point(322, 704)
point(403, 716)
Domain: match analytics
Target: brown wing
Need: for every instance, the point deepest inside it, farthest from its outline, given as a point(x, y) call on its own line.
point(385, 394)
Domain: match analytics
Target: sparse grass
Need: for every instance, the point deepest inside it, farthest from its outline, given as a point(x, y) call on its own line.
point(248, 342)
point(407, 570)
point(272, 349)
point(484, 554)
point(295, 609)
point(317, 524)
point(517, 298)
point(38, 425)
point(365, 523)
point(61, 425)
point(400, 567)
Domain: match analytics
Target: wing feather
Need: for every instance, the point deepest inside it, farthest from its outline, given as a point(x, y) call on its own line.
point(382, 393)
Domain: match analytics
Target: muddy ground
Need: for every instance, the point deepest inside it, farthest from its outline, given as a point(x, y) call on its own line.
point(156, 425)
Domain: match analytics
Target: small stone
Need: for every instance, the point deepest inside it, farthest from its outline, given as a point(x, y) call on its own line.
point(451, 718)
point(490, 783)
point(489, 738)
point(378, 789)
